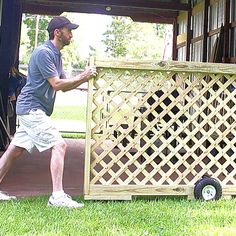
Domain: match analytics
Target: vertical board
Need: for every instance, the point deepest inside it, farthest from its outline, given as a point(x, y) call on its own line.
point(88, 133)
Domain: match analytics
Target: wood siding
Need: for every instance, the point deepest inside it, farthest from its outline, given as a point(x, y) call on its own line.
point(212, 37)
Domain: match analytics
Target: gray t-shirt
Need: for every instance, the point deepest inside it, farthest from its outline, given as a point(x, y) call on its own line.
point(45, 63)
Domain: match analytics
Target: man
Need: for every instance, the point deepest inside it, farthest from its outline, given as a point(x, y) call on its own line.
point(35, 105)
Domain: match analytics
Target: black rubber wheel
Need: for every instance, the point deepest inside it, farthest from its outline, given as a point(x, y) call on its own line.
point(207, 189)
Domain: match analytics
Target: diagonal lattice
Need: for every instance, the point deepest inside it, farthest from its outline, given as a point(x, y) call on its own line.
point(162, 127)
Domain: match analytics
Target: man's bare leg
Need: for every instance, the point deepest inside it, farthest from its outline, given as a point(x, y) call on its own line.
point(59, 198)
point(8, 159)
point(6, 162)
point(57, 165)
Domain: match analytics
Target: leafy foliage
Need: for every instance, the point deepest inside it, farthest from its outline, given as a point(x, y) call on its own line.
point(30, 21)
point(117, 36)
point(125, 38)
point(122, 38)
point(71, 59)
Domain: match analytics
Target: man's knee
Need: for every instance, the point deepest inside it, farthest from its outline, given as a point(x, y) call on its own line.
point(60, 146)
point(15, 151)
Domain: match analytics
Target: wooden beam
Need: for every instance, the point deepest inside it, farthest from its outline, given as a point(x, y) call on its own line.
point(212, 2)
point(232, 59)
point(10, 32)
point(189, 35)
point(148, 4)
point(213, 32)
point(174, 66)
point(197, 39)
point(233, 24)
point(182, 38)
point(88, 132)
point(42, 10)
point(182, 16)
point(198, 8)
point(147, 15)
point(151, 18)
point(175, 33)
point(226, 31)
point(205, 30)
point(181, 45)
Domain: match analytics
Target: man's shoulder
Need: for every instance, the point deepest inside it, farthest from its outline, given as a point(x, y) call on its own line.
point(43, 50)
point(44, 47)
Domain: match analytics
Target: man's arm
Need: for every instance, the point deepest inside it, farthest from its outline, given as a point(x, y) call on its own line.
point(69, 84)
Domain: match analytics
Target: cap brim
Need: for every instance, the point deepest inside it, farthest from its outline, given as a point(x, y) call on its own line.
point(72, 26)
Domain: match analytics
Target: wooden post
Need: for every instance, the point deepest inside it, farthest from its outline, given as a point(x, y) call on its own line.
point(88, 133)
point(189, 35)
point(226, 31)
point(175, 33)
point(205, 31)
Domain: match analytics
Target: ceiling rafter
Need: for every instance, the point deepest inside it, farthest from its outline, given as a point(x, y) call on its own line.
point(154, 17)
point(139, 10)
point(144, 4)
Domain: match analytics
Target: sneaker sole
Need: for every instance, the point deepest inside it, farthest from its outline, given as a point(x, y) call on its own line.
point(52, 205)
point(8, 199)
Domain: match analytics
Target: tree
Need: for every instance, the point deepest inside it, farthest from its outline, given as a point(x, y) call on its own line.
point(117, 36)
point(125, 38)
point(36, 25)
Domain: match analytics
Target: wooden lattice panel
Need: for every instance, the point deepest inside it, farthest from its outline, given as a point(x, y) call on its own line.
point(157, 128)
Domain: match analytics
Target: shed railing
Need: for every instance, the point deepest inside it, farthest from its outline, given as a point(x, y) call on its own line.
point(155, 128)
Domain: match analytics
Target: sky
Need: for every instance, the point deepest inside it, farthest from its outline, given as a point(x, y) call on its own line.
point(90, 31)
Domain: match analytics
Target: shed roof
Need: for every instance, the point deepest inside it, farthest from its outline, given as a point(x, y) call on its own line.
point(158, 11)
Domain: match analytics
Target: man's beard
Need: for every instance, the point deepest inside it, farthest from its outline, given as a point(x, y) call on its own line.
point(64, 40)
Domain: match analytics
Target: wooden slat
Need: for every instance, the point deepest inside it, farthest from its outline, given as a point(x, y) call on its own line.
point(108, 196)
point(88, 133)
point(197, 39)
point(213, 2)
point(233, 24)
point(198, 8)
point(198, 67)
point(141, 190)
point(181, 38)
point(114, 3)
point(213, 32)
point(182, 16)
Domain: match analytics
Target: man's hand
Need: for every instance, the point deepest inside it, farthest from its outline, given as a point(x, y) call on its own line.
point(89, 72)
point(69, 84)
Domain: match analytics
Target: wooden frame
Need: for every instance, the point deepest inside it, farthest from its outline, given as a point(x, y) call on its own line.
point(164, 126)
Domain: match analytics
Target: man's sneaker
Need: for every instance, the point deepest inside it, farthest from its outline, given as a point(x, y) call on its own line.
point(6, 197)
point(64, 201)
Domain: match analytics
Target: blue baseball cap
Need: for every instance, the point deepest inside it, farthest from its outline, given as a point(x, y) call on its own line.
point(59, 22)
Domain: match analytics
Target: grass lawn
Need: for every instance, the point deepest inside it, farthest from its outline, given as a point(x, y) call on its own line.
point(69, 113)
point(161, 217)
point(74, 135)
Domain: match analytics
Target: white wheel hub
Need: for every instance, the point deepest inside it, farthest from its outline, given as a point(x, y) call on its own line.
point(209, 192)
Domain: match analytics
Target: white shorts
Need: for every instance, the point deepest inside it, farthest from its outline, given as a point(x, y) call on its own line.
point(36, 131)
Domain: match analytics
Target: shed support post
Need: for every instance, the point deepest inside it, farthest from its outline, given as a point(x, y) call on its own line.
point(10, 25)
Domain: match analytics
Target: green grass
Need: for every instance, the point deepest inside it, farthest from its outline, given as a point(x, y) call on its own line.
point(79, 113)
point(69, 113)
point(74, 135)
point(161, 217)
